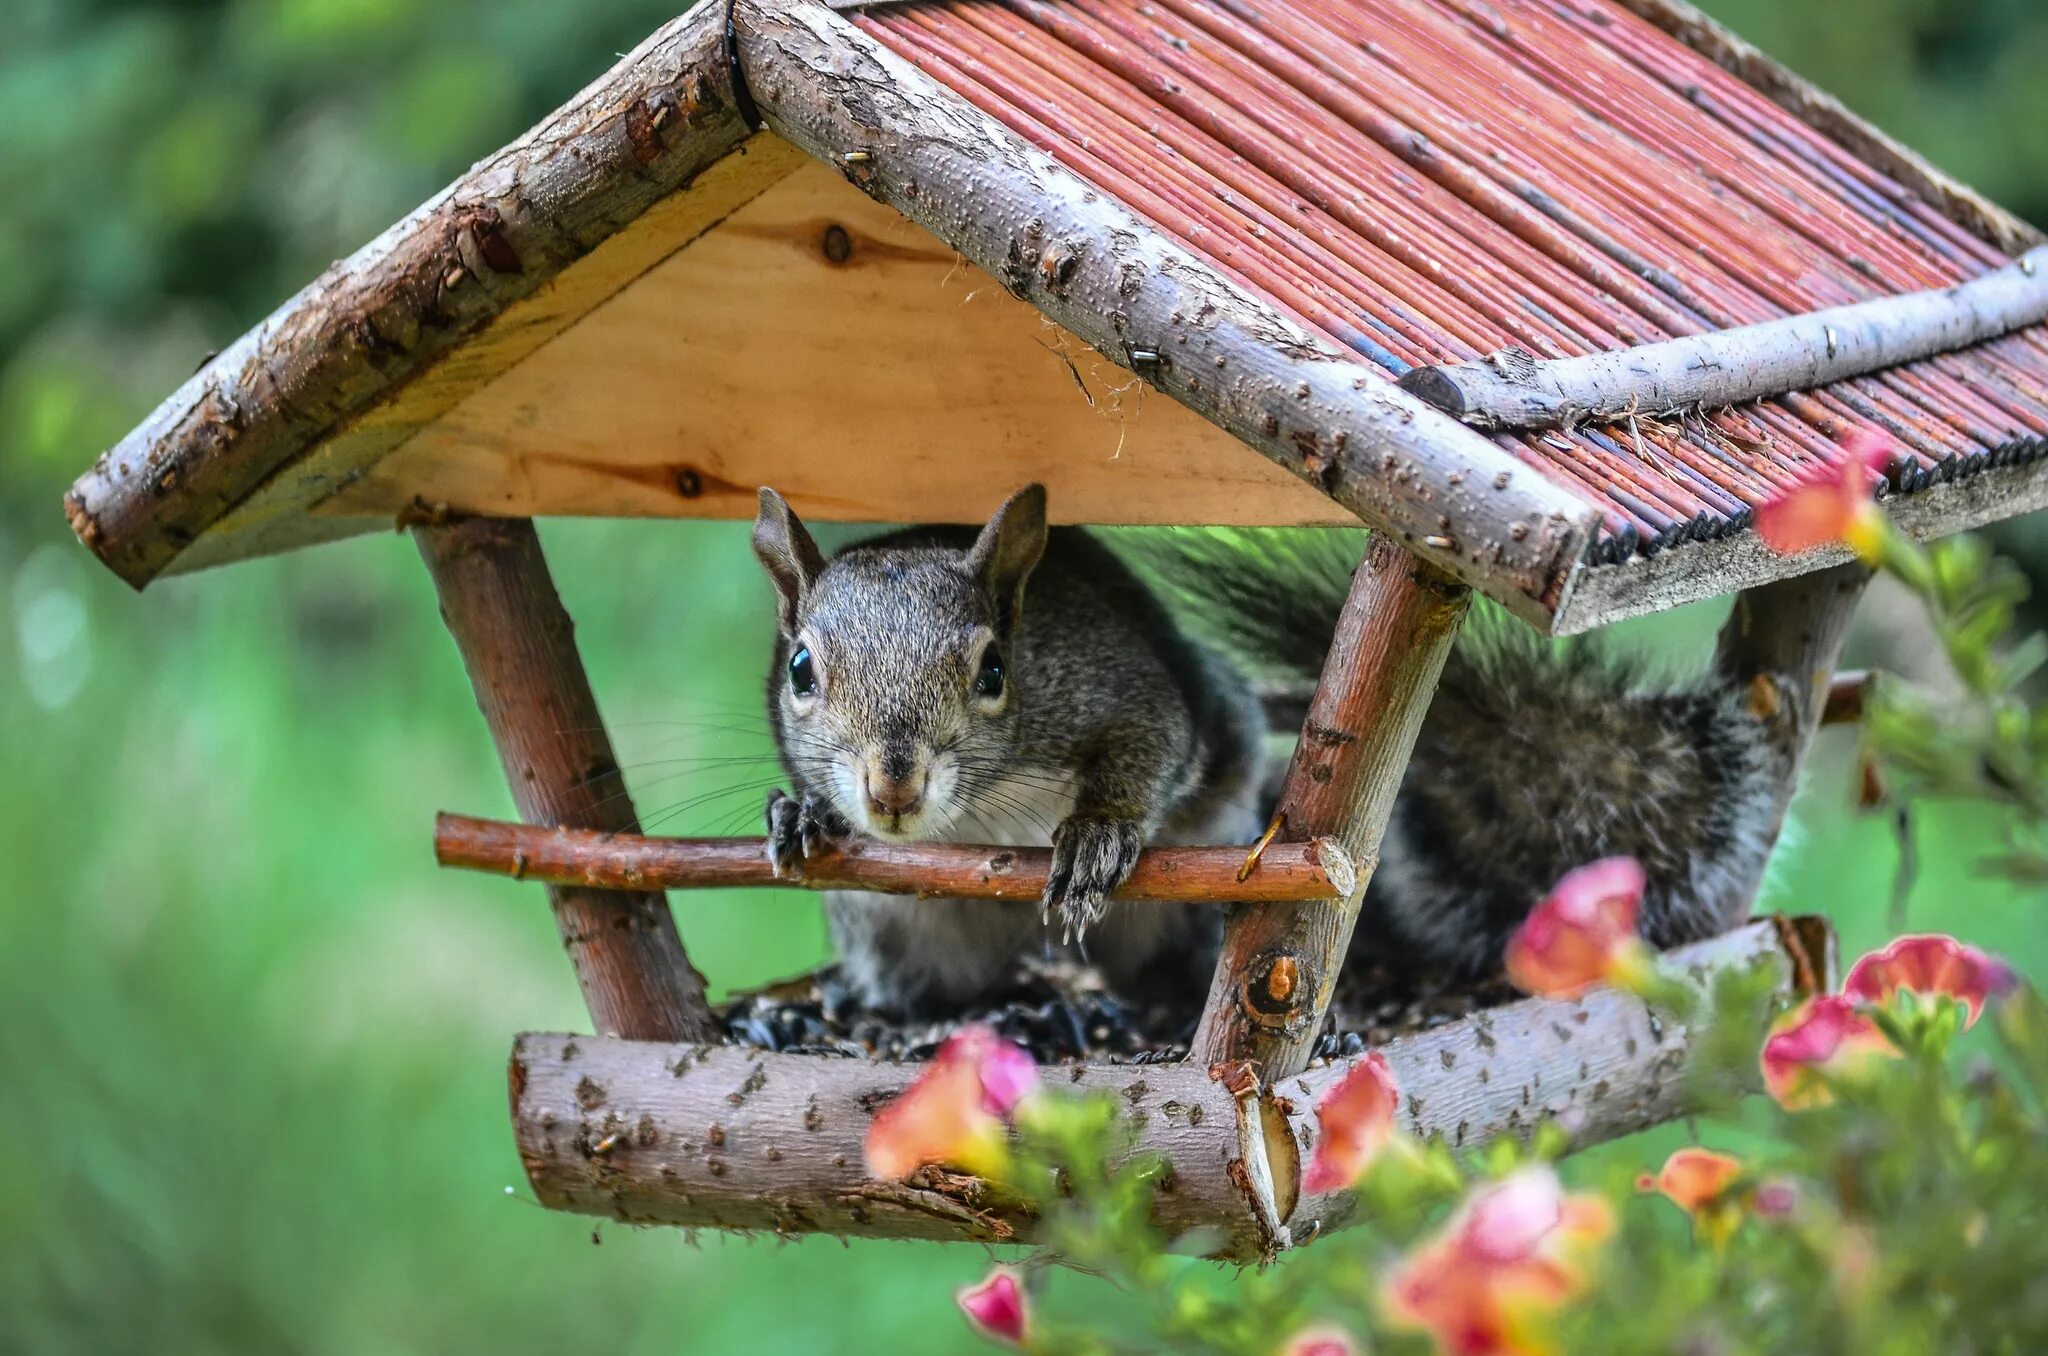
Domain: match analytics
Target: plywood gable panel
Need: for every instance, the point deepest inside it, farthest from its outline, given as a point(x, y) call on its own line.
point(817, 341)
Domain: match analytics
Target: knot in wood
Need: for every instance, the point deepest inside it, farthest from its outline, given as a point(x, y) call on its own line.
point(1274, 989)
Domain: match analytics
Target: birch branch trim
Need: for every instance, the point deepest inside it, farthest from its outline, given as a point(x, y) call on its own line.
point(733, 1138)
point(1129, 290)
point(1285, 873)
point(1512, 390)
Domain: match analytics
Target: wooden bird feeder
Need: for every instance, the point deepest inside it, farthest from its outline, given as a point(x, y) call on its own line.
point(1549, 297)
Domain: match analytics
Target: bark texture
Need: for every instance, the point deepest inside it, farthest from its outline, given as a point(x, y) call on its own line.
point(380, 317)
point(1783, 640)
point(720, 1137)
point(1453, 498)
point(519, 646)
point(1514, 390)
point(615, 861)
point(1279, 962)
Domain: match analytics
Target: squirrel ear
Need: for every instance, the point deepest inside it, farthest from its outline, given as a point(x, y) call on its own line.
point(787, 552)
point(1005, 553)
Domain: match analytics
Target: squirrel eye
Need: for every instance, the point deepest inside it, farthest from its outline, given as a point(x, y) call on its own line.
point(988, 680)
point(803, 674)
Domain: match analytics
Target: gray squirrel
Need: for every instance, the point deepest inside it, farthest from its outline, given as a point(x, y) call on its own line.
point(921, 691)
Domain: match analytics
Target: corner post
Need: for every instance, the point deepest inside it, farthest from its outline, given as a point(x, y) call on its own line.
point(1279, 962)
point(518, 644)
point(1782, 639)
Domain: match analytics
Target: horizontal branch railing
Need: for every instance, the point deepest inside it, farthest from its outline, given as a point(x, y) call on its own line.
point(1281, 873)
point(1514, 390)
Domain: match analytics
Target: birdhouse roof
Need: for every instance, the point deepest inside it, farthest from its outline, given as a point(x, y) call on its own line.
point(1318, 225)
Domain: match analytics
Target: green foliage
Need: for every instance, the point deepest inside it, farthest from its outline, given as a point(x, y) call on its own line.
point(1910, 1215)
point(1990, 744)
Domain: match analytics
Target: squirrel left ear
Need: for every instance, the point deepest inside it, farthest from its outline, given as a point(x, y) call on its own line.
point(1007, 550)
point(789, 555)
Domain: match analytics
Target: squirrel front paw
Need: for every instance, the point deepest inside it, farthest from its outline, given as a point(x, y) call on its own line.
point(799, 829)
point(1091, 855)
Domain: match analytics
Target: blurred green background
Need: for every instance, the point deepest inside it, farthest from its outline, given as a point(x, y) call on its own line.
point(251, 1041)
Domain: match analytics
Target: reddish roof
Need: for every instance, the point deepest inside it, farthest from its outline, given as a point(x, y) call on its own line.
point(1433, 180)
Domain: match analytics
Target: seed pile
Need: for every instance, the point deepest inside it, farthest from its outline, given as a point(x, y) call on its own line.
point(1061, 1013)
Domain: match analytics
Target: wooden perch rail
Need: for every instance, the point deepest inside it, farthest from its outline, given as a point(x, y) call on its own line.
point(1512, 390)
point(711, 1136)
point(1286, 872)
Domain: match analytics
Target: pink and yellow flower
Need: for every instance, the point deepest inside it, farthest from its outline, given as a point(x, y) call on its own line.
point(1822, 1038)
point(1320, 1341)
point(1934, 967)
point(1583, 932)
point(1832, 503)
point(997, 1308)
point(955, 1111)
point(1515, 1251)
point(1693, 1178)
point(1354, 1120)
point(1698, 1181)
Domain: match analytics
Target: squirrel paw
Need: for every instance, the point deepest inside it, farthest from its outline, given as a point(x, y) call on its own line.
point(799, 829)
point(1091, 856)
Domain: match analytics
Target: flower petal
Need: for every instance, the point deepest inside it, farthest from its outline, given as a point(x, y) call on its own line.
point(953, 1111)
point(1823, 1036)
point(1514, 1251)
point(1694, 1178)
point(1354, 1120)
point(1320, 1341)
point(1831, 502)
point(1930, 964)
point(1581, 929)
point(996, 1308)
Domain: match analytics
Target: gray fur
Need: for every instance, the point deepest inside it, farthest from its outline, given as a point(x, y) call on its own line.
point(1530, 764)
point(1531, 761)
point(1112, 731)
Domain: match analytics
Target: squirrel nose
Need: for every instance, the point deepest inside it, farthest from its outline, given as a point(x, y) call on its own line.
point(893, 797)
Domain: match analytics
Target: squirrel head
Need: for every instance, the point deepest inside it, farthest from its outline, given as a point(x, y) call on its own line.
point(895, 690)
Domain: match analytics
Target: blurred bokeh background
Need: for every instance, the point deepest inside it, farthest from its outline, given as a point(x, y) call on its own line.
point(251, 1042)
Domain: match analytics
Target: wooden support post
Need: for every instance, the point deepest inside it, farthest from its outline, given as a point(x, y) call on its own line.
point(1280, 961)
point(519, 646)
point(1783, 639)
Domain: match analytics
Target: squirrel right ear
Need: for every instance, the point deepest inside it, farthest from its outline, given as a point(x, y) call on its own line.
point(1007, 550)
point(789, 555)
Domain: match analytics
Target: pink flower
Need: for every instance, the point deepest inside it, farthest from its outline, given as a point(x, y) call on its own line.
point(1323, 1341)
point(1820, 1038)
point(996, 1308)
point(1930, 965)
point(1354, 1120)
point(1514, 1251)
point(1693, 1178)
point(1776, 1198)
point(1582, 931)
point(1831, 503)
point(955, 1109)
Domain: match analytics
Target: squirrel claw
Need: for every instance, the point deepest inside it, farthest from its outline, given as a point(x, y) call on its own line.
point(800, 829)
point(1091, 856)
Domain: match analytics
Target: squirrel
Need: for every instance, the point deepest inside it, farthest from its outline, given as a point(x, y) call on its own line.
point(920, 691)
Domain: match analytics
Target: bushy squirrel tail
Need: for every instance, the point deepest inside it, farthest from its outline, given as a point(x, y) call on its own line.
point(1534, 758)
